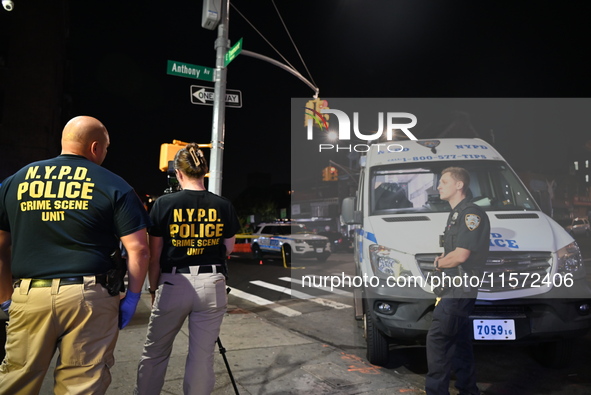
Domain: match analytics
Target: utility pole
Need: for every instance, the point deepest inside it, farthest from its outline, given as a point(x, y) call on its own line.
point(219, 103)
point(222, 43)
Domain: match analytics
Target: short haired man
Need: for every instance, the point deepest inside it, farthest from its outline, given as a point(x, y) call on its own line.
point(60, 219)
point(466, 241)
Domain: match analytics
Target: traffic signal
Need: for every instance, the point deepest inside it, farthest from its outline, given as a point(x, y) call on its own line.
point(334, 173)
point(168, 151)
point(312, 112)
point(330, 173)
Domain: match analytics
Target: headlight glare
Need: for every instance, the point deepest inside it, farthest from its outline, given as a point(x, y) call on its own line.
point(383, 261)
point(570, 260)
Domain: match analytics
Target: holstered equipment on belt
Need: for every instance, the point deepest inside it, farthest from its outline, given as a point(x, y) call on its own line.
point(224, 257)
point(115, 277)
point(439, 290)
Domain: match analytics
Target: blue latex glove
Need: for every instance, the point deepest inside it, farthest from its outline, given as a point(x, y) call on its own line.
point(127, 308)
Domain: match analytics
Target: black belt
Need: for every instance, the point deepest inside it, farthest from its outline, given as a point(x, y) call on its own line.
point(187, 269)
point(48, 282)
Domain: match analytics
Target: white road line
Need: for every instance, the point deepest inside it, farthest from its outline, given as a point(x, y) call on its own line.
point(264, 302)
point(301, 295)
point(326, 289)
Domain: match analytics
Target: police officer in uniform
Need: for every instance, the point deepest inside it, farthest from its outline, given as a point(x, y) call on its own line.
point(466, 241)
point(60, 220)
point(193, 232)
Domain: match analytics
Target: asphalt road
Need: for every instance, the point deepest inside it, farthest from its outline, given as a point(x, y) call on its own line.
point(275, 293)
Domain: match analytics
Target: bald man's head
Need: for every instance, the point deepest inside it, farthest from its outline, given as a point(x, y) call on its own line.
point(86, 136)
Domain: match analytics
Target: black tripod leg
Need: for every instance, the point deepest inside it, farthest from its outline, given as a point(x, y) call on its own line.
point(223, 352)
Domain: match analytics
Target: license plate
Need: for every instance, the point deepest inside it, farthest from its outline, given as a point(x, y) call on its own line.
point(494, 329)
point(319, 250)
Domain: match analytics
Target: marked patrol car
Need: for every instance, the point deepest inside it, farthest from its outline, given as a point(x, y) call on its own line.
point(533, 286)
point(286, 239)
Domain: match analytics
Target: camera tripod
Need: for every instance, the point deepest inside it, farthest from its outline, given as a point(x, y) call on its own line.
point(223, 352)
point(221, 348)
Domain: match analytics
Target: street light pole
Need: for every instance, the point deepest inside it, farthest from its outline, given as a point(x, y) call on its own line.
point(284, 67)
point(219, 103)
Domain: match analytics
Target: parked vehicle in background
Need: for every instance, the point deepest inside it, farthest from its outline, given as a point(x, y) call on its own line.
point(287, 239)
point(338, 241)
point(579, 227)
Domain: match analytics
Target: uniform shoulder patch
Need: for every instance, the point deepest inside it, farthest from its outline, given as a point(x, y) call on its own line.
point(472, 221)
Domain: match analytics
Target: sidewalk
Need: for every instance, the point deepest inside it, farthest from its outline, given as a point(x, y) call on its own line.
point(263, 357)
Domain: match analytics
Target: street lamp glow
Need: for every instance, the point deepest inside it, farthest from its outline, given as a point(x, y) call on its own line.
point(8, 5)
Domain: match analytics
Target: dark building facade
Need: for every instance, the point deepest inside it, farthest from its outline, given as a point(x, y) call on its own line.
point(33, 66)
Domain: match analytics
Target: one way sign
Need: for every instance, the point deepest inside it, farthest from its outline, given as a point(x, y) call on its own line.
point(204, 95)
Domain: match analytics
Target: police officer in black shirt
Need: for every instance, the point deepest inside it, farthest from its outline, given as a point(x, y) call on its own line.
point(60, 221)
point(466, 242)
point(194, 231)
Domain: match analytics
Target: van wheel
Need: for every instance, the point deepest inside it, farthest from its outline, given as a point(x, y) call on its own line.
point(257, 254)
point(286, 254)
point(377, 344)
point(556, 354)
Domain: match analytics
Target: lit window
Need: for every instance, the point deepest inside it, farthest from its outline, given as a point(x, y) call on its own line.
point(576, 165)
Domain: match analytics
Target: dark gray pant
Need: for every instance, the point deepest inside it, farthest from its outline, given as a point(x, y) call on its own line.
point(449, 347)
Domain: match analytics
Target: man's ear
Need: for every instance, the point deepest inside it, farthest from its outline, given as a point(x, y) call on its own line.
point(94, 148)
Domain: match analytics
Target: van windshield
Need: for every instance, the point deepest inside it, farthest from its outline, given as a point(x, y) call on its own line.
point(407, 188)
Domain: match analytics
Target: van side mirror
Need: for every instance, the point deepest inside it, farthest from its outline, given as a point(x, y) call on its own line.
point(348, 212)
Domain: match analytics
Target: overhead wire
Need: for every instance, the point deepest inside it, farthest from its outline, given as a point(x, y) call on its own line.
point(294, 44)
point(271, 45)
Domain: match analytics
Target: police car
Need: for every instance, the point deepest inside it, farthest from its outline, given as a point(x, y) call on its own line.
point(287, 239)
point(579, 227)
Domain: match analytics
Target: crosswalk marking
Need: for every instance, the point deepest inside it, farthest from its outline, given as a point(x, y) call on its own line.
point(264, 302)
point(289, 312)
point(327, 289)
point(300, 295)
point(285, 290)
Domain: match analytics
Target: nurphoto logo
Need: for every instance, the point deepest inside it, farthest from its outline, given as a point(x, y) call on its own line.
point(318, 114)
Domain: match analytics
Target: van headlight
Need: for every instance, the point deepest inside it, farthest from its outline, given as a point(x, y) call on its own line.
point(383, 261)
point(570, 260)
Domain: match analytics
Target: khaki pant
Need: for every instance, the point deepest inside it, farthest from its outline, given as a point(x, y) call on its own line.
point(203, 299)
point(79, 320)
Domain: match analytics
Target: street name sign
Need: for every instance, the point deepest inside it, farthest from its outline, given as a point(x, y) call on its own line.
point(203, 95)
point(189, 70)
point(233, 52)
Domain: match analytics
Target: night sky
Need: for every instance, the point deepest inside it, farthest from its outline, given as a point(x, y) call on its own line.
point(371, 48)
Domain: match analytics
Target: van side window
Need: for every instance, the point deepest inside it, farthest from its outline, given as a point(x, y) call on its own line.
point(360, 193)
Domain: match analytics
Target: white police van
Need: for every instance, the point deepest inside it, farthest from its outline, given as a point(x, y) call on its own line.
point(533, 288)
point(289, 239)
